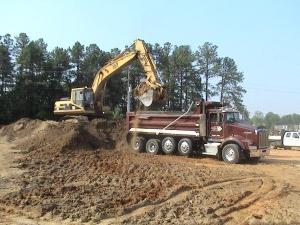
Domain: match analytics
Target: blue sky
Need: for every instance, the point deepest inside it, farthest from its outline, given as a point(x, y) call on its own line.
point(263, 37)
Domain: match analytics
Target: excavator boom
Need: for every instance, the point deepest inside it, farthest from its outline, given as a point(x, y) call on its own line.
point(147, 91)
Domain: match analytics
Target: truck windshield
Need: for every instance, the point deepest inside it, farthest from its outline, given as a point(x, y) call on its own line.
point(232, 117)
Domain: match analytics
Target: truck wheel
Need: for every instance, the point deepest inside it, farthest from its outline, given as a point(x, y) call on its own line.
point(231, 153)
point(168, 145)
point(137, 143)
point(152, 146)
point(185, 147)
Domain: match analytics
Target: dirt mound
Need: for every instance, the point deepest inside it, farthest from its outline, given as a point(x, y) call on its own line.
point(63, 180)
point(63, 136)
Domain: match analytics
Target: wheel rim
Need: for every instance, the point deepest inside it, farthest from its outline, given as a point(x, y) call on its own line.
point(168, 145)
point(230, 154)
point(184, 147)
point(137, 145)
point(152, 148)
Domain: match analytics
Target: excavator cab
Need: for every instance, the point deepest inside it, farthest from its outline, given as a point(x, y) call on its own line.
point(81, 103)
point(83, 97)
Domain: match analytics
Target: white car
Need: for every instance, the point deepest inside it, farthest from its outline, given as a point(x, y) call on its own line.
point(291, 139)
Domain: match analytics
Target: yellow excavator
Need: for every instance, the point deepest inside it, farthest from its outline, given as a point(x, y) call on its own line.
point(88, 101)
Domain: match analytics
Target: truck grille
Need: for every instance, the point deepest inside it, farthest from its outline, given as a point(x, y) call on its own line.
point(263, 139)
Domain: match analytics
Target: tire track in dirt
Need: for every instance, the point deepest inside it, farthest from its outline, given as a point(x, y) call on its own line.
point(249, 207)
point(176, 196)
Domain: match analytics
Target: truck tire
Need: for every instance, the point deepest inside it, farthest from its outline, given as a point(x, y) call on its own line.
point(152, 146)
point(185, 147)
point(168, 145)
point(231, 153)
point(137, 143)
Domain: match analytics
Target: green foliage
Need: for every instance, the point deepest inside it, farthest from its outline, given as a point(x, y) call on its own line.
point(229, 85)
point(117, 113)
point(258, 119)
point(32, 78)
point(207, 61)
point(271, 119)
point(6, 69)
point(77, 56)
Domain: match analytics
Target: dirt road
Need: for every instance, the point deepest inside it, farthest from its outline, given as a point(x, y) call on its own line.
point(105, 186)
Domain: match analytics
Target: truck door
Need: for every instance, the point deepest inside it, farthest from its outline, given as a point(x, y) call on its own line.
point(296, 140)
point(216, 125)
point(287, 139)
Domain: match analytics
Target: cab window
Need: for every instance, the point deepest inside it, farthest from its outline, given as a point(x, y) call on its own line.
point(288, 135)
point(295, 135)
point(232, 117)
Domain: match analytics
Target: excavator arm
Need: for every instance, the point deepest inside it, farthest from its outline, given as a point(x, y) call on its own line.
point(147, 91)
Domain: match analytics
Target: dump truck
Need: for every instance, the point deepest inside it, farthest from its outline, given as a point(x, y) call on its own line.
point(208, 127)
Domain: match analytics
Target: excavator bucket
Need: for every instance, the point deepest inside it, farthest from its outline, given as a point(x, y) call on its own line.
point(148, 95)
point(146, 98)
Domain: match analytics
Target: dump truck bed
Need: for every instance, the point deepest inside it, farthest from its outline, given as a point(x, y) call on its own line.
point(174, 123)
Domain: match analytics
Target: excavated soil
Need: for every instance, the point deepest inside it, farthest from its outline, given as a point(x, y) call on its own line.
point(83, 172)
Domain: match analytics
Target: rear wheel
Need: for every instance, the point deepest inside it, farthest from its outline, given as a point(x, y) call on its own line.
point(137, 143)
point(152, 146)
point(185, 147)
point(168, 145)
point(231, 153)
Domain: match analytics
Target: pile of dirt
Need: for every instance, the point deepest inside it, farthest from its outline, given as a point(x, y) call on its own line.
point(63, 136)
point(63, 179)
point(96, 185)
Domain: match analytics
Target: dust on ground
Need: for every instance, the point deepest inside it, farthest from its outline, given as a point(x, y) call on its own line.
point(82, 172)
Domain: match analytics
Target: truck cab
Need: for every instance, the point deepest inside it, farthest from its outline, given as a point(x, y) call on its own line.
point(226, 126)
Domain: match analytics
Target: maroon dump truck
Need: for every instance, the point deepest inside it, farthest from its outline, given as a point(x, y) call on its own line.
point(207, 127)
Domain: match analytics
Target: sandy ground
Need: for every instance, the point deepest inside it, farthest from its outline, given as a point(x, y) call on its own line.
point(105, 186)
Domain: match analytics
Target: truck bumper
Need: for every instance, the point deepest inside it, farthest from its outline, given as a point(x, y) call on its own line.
point(254, 152)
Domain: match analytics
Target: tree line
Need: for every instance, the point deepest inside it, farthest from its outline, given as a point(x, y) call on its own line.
point(32, 78)
point(270, 119)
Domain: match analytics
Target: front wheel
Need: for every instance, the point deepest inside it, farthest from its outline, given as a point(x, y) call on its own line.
point(231, 153)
